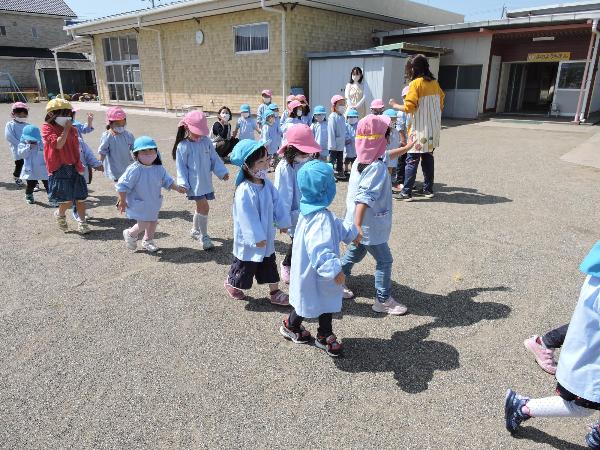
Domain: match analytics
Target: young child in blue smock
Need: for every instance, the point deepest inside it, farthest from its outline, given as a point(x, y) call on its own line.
point(294, 117)
point(197, 160)
point(319, 129)
point(31, 151)
point(256, 208)
point(393, 140)
point(350, 149)
point(246, 126)
point(116, 144)
point(12, 134)
point(317, 279)
point(271, 134)
point(299, 148)
point(139, 191)
point(578, 372)
point(369, 207)
point(336, 132)
point(266, 95)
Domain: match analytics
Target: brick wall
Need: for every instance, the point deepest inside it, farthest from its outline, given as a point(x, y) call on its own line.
point(19, 34)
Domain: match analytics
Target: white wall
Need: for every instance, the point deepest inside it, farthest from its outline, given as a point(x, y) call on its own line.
point(595, 104)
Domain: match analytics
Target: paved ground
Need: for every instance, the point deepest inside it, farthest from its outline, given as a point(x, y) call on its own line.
point(101, 347)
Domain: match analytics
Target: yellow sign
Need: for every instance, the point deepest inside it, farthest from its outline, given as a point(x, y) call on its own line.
point(549, 57)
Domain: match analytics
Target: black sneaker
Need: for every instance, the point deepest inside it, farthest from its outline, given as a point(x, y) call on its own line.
point(513, 410)
point(403, 197)
point(297, 335)
point(330, 345)
point(424, 193)
point(19, 182)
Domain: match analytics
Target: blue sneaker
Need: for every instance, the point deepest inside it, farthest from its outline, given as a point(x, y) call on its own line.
point(593, 437)
point(513, 410)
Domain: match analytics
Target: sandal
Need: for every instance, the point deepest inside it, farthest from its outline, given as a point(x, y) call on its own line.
point(330, 344)
point(298, 335)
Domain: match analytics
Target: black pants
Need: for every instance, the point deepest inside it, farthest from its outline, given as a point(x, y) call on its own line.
point(224, 147)
point(336, 157)
point(555, 338)
point(31, 184)
point(400, 169)
point(287, 260)
point(18, 168)
point(325, 327)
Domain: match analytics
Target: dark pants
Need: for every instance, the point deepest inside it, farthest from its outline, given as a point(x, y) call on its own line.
point(31, 184)
point(400, 168)
point(325, 326)
point(410, 173)
point(224, 148)
point(242, 273)
point(18, 168)
point(337, 158)
point(287, 260)
point(555, 338)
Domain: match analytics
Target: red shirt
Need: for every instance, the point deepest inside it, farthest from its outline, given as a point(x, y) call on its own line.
point(69, 154)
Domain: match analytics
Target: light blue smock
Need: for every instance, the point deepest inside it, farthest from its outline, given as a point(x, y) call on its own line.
point(316, 262)
point(117, 151)
point(260, 112)
point(307, 119)
point(287, 124)
point(143, 184)
point(371, 187)
point(320, 133)
point(272, 133)
point(82, 128)
point(34, 166)
point(12, 132)
point(88, 159)
point(286, 183)
point(393, 144)
point(350, 150)
point(336, 132)
point(579, 363)
point(402, 122)
point(246, 128)
point(196, 162)
point(256, 212)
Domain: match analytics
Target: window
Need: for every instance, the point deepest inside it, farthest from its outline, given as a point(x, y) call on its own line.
point(34, 32)
point(447, 77)
point(251, 38)
point(571, 75)
point(123, 74)
point(2, 30)
point(460, 77)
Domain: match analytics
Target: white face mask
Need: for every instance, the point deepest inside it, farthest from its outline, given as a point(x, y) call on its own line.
point(225, 117)
point(245, 115)
point(352, 120)
point(118, 129)
point(320, 118)
point(356, 78)
point(62, 121)
point(276, 114)
point(21, 119)
point(267, 100)
point(261, 174)
point(340, 109)
point(301, 159)
point(299, 112)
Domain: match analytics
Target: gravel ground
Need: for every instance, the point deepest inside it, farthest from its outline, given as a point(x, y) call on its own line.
point(106, 348)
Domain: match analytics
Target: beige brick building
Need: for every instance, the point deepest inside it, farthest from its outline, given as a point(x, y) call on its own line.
point(224, 52)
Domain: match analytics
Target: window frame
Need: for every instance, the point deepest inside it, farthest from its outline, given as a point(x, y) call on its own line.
point(249, 52)
point(124, 87)
point(2, 30)
point(560, 69)
point(34, 32)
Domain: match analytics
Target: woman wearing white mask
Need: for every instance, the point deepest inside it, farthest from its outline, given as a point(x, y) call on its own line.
point(355, 91)
point(221, 133)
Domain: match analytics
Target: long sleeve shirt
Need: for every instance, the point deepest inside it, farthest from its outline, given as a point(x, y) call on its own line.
point(196, 162)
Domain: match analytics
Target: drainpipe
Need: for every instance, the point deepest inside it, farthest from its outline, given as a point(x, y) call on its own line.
point(283, 47)
point(160, 56)
point(583, 91)
point(588, 87)
point(62, 94)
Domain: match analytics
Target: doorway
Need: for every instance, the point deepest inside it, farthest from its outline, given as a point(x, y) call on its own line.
point(531, 87)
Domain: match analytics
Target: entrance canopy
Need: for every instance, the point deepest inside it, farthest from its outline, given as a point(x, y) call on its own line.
point(77, 45)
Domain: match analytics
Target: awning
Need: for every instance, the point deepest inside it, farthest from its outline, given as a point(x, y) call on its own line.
point(411, 47)
point(77, 45)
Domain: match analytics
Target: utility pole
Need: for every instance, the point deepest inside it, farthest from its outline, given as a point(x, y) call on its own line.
point(504, 11)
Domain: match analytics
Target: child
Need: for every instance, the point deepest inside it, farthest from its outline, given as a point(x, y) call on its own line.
point(196, 160)
point(66, 183)
point(271, 135)
point(402, 124)
point(31, 151)
point(307, 116)
point(319, 129)
point(139, 193)
point(288, 100)
point(116, 144)
point(266, 95)
point(369, 207)
point(12, 133)
point(246, 125)
point(336, 132)
point(393, 141)
point(299, 148)
point(256, 207)
point(578, 372)
point(317, 277)
point(377, 107)
point(350, 149)
point(295, 112)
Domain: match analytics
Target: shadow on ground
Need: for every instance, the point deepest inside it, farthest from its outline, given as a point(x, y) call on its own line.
point(463, 195)
point(541, 437)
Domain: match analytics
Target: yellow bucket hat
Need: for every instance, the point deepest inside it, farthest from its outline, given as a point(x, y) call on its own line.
point(58, 104)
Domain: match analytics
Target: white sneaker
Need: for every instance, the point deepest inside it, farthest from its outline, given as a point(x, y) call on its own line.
point(61, 221)
point(348, 294)
point(129, 240)
point(391, 306)
point(195, 234)
point(83, 228)
point(149, 246)
point(207, 243)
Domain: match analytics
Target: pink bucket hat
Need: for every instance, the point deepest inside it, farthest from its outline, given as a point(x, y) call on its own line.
point(405, 91)
point(115, 113)
point(293, 105)
point(301, 137)
point(290, 98)
point(336, 98)
point(267, 92)
point(370, 138)
point(377, 104)
point(301, 98)
point(196, 122)
point(19, 105)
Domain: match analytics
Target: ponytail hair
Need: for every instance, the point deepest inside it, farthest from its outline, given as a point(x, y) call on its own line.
point(181, 133)
point(418, 66)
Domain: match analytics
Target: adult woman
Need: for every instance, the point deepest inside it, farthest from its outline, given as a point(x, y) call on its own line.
point(221, 133)
point(355, 92)
point(424, 102)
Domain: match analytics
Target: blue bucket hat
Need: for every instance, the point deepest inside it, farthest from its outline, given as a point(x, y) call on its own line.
point(391, 113)
point(352, 113)
point(240, 154)
point(317, 186)
point(144, 143)
point(31, 133)
point(272, 107)
point(245, 108)
point(320, 109)
point(591, 263)
point(268, 113)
